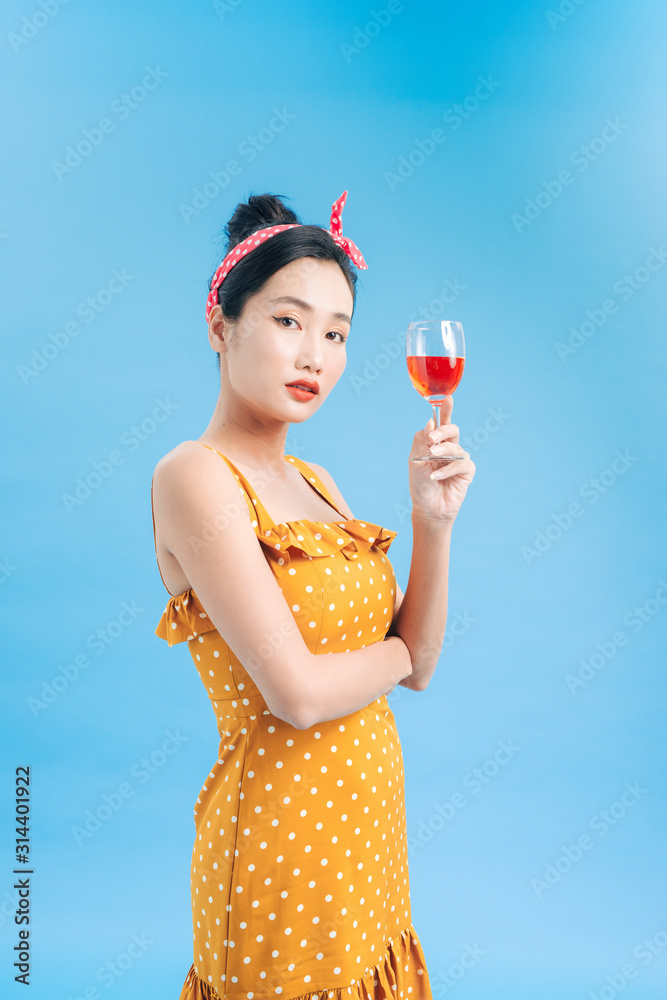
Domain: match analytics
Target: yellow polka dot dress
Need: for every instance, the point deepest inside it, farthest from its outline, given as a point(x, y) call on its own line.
point(299, 872)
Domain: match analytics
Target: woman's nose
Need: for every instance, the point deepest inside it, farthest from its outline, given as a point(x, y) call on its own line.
point(310, 355)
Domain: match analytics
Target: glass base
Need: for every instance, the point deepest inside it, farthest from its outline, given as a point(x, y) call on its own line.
point(437, 458)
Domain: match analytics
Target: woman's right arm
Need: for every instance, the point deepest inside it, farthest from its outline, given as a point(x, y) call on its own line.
point(204, 521)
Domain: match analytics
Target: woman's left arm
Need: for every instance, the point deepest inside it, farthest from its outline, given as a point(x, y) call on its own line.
point(437, 492)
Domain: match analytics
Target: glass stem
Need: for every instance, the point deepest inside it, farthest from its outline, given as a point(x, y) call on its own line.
point(436, 414)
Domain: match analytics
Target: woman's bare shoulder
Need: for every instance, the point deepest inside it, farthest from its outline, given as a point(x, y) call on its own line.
point(184, 450)
point(192, 466)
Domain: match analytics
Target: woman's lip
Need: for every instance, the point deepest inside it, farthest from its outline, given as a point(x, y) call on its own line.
point(299, 385)
point(301, 392)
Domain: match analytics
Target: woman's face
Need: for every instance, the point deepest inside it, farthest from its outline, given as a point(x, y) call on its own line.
point(294, 328)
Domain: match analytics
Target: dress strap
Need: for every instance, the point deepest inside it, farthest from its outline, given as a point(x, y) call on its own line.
point(262, 514)
point(259, 515)
point(311, 476)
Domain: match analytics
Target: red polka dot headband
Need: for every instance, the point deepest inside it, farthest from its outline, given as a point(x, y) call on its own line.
point(249, 244)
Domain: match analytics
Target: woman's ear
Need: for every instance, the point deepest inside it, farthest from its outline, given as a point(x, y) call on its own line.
point(219, 329)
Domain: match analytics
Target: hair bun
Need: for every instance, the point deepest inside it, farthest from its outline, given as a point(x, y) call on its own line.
point(259, 212)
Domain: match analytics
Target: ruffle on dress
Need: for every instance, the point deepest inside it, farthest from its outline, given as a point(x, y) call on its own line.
point(322, 539)
point(400, 975)
point(184, 617)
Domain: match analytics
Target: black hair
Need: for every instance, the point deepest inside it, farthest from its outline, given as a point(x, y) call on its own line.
point(251, 273)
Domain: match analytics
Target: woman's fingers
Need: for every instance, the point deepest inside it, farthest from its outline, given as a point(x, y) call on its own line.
point(453, 468)
point(447, 448)
point(446, 432)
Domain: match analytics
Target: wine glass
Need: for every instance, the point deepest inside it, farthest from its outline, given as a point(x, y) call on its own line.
point(435, 351)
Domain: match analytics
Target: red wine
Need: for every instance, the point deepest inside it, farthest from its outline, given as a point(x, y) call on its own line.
point(435, 375)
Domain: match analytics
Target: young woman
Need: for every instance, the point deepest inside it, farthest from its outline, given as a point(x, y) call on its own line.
point(299, 871)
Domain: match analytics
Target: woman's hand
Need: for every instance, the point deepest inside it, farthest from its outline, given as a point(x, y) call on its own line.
point(437, 489)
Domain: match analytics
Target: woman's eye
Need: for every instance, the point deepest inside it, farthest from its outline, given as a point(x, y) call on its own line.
point(283, 320)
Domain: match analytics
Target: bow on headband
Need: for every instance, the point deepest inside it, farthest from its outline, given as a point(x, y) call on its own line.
point(255, 239)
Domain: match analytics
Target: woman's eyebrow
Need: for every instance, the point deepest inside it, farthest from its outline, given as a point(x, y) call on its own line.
point(308, 306)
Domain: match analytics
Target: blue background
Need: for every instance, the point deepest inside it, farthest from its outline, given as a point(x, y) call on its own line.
point(533, 595)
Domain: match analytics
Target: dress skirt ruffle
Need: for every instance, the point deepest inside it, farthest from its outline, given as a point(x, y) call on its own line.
point(400, 975)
